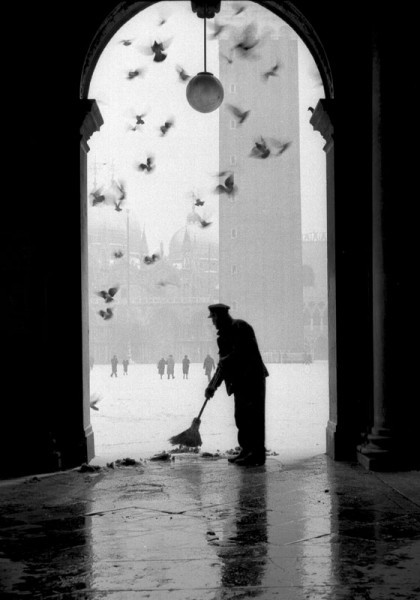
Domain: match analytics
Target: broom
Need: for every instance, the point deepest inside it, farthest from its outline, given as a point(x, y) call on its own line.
point(191, 437)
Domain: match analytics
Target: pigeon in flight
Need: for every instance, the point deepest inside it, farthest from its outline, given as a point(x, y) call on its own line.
point(97, 197)
point(228, 59)
point(106, 314)
point(166, 126)
point(198, 202)
point(272, 72)
point(279, 145)
point(121, 188)
point(311, 109)
point(118, 254)
point(139, 119)
point(126, 42)
point(94, 399)
point(260, 149)
point(217, 29)
point(148, 166)
point(229, 188)
point(157, 49)
point(239, 10)
point(238, 113)
point(183, 75)
point(150, 260)
point(204, 223)
point(135, 73)
point(108, 295)
point(248, 42)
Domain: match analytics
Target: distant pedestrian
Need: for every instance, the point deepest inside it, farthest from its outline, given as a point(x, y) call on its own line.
point(208, 366)
point(161, 367)
point(91, 362)
point(185, 366)
point(114, 363)
point(170, 366)
point(125, 364)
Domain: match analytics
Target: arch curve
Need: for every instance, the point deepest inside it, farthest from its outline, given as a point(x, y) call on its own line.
point(285, 9)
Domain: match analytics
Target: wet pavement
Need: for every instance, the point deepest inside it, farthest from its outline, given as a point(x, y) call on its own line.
point(198, 528)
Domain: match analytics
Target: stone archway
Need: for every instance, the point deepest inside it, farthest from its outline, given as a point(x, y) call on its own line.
point(321, 120)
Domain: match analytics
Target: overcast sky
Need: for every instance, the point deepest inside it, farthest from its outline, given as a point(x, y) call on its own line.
point(187, 156)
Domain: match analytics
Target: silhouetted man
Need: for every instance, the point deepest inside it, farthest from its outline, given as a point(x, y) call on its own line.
point(243, 371)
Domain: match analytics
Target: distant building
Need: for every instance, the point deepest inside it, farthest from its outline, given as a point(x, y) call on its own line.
point(160, 309)
point(260, 226)
point(315, 294)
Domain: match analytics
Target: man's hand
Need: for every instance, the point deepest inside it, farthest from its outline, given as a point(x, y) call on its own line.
point(209, 392)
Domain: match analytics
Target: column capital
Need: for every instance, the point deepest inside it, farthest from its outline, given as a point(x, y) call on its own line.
point(90, 119)
point(322, 120)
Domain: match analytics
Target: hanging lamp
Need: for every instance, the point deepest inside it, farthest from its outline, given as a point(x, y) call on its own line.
point(204, 91)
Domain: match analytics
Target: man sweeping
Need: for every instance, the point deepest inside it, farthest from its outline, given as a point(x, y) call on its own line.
point(242, 369)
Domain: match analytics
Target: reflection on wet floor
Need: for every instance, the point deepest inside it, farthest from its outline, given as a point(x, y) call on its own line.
point(205, 529)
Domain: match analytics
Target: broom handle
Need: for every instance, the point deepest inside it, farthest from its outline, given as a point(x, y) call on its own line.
point(215, 381)
point(202, 408)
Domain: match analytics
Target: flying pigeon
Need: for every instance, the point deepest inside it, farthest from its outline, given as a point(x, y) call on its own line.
point(97, 197)
point(260, 149)
point(238, 113)
point(106, 314)
point(149, 260)
point(147, 166)
point(183, 75)
point(166, 126)
point(272, 72)
point(229, 188)
point(108, 295)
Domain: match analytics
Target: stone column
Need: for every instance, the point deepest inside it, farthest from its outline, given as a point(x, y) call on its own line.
point(91, 121)
point(377, 452)
point(322, 120)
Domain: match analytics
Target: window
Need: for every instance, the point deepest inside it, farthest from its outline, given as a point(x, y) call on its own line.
point(232, 88)
point(233, 233)
point(233, 270)
point(232, 124)
point(232, 159)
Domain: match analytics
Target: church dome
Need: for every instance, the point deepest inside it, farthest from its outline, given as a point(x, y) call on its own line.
point(203, 242)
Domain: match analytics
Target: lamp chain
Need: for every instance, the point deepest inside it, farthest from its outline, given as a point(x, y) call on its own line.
point(205, 45)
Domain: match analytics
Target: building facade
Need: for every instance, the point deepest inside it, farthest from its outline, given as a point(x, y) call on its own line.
point(260, 224)
point(315, 294)
point(159, 309)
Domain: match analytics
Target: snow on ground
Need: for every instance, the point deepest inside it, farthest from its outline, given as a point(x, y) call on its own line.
point(139, 412)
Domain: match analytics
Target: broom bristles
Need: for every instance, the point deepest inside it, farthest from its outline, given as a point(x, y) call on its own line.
point(190, 437)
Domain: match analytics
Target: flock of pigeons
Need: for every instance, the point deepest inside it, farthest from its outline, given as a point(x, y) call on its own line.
point(245, 45)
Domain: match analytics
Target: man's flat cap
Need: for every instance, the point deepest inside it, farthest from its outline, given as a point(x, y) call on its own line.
point(218, 308)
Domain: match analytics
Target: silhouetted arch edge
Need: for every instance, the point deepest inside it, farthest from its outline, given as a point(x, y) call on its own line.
point(284, 9)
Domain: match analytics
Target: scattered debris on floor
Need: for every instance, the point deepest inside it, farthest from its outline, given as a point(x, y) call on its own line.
point(210, 455)
point(161, 456)
point(235, 450)
point(126, 462)
point(183, 449)
point(85, 468)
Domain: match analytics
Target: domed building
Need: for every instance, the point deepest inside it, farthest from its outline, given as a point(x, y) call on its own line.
point(160, 308)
